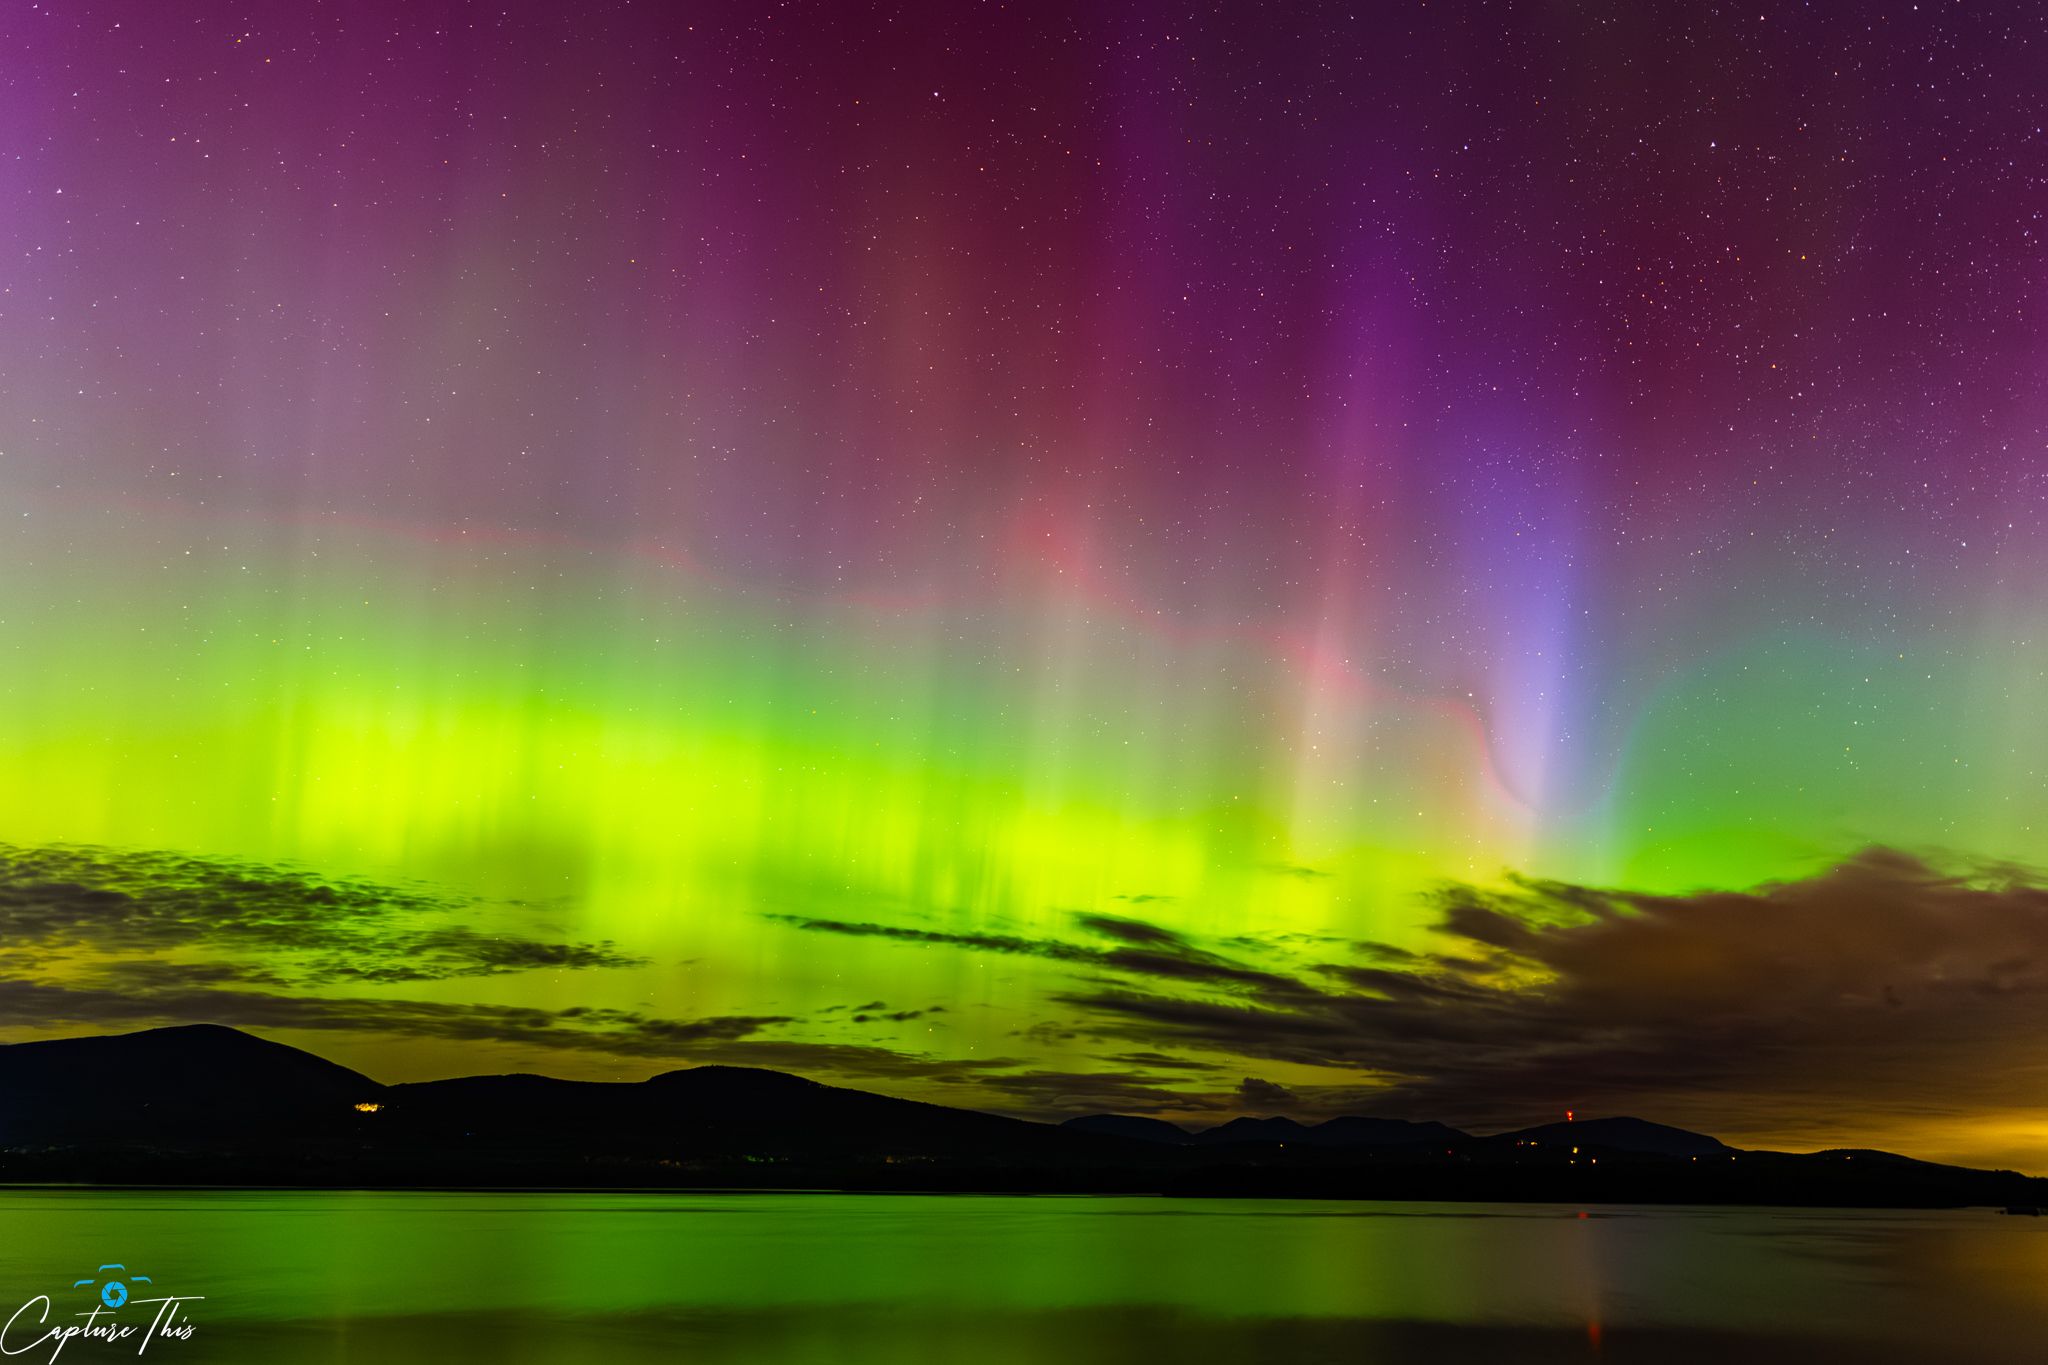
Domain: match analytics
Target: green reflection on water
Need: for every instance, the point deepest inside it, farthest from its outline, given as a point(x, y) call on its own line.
point(968, 1279)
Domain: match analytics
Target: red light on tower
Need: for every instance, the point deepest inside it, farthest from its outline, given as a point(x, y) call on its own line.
point(1569, 1115)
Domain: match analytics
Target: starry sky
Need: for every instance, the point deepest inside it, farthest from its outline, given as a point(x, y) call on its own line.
point(1450, 557)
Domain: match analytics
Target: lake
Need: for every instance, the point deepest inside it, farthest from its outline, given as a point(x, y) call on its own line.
point(989, 1280)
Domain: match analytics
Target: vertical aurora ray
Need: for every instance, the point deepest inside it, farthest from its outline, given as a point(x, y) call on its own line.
point(669, 472)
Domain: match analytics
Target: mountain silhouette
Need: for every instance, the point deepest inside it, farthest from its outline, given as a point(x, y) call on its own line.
point(1353, 1130)
point(1623, 1135)
point(210, 1105)
point(1131, 1126)
point(1248, 1129)
point(1349, 1131)
point(717, 1113)
point(189, 1082)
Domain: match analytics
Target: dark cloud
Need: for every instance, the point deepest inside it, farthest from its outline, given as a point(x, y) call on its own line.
point(1067, 1094)
point(1048, 1032)
point(1283, 942)
point(1152, 951)
point(879, 1014)
point(438, 954)
point(1128, 930)
point(1881, 985)
point(1160, 952)
point(1254, 1094)
point(146, 974)
point(984, 943)
point(1388, 954)
point(165, 993)
point(68, 892)
point(1202, 968)
point(64, 899)
point(853, 1062)
point(1160, 1061)
point(1297, 870)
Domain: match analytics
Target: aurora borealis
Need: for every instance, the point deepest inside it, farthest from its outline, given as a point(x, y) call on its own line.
point(955, 515)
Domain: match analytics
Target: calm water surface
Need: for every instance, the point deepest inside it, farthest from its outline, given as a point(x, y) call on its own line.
point(972, 1280)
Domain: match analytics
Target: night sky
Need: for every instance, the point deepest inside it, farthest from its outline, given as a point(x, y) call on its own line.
point(1451, 560)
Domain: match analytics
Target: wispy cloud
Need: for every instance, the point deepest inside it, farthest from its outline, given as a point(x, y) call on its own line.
point(981, 943)
point(1141, 950)
point(300, 926)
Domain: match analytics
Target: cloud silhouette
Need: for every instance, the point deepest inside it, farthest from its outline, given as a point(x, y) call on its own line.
point(121, 994)
point(1046, 1094)
point(1128, 930)
point(1153, 951)
point(984, 943)
point(1879, 986)
point(1147, 1061)
point(311, 929)
point(1257, 1095)
point(1300, 871)
point(882, 1014)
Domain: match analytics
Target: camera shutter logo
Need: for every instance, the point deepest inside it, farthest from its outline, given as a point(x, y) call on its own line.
point(114, 1289)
